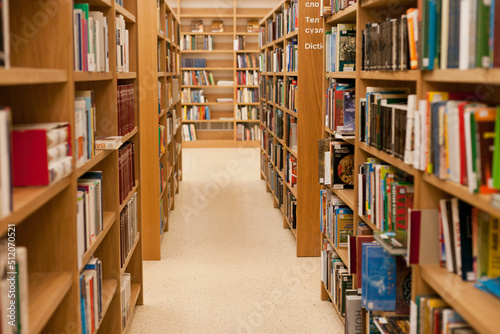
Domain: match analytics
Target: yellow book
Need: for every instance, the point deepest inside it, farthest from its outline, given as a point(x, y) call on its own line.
point(494, 249)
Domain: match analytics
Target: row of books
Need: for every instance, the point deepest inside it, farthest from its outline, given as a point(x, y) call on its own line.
point(247, 95)
point(246, 132)
point(336, 163)
point(340, 48)
point(197, 78)
point(385, 195)
point(291, 133)
point(277, 187)
point(163, 215)
point(239, 43)
point(330, 7)
point(290, 209)
point(275, 152)
point(336, 278)
point(391, 45)
point(6, 201)
point(14, 299)
point(85, 116)
point(274, 121)
point(91, 294)
point(122, 45)
point(50, 142)
point(162, 178)
point(291, 170)
point(291, 55)
point(197, 42)
point(247, 113)
point(275, 26)
point(189, 95)
point(340, 107)
point(285, 22)
point(337, 220)
point(126, 169)
point(198, 26)
point(246, 61)
point(128, 228)
point(90, 33)
point(162, 139)
point(89, 218)
point(433, 315)
point(247, 78)
point(188, 132)
point(195, 113)
point(193, 62)
point(126, 302)
point(126, 109)
point(173, 60)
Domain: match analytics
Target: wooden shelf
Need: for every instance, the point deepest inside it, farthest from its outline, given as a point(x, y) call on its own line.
point(412, 75)
point(128, 16)
point(383, 3)
point(342, 252)
point(368, 222)
point(246, 86)
point(99, 3)
point(129, 135)
point(206, 68)
point(333, 302)
point(130, 254)
point(205, 86)
point(27, 200)
point(92, 76)
point(480, 201)
point(341, 75)
point(347, 15)
point(129, 196)
point(99, 156)
point(292, 34)
point(46, 292)
point(207, 51)
point(206, 16)
point(109, 219)
point(162, 74)
point(248, 121)
point(477, 307)
point(208, 121)
point(135, 291)
point(398, 163)
point(31, 76)
point(109, 287)
point(126, 75)
point(346, 195)
point(209, 104)
point(476, 75)
point(163, 113)
point(248, 103)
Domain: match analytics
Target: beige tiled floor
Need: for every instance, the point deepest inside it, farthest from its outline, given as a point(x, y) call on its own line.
point(228, 266)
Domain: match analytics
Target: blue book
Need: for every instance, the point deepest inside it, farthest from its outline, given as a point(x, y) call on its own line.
point(380, 280)
point(490, 285)
point(364, 280)
point(82, 304)
point(96, 264)
point(432, 33)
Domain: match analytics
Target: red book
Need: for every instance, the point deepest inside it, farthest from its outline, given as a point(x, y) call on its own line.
point(352, 255)
point(30, 161)
point(414, 237)
point(401, 212)
point(496, 41)
point(118, 110)
point(338, 110)
point(360, 239)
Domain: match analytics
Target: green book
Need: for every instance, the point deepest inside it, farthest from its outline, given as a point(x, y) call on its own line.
point(496, 152)
point(482, 46)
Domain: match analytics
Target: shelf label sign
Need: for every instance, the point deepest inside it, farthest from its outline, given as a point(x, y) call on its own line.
point(313, 26)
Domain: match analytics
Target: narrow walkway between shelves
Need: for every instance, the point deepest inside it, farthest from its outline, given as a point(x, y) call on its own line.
point(227, 264)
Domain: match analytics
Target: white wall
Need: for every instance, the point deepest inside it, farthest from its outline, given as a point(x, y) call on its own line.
point(224, 3)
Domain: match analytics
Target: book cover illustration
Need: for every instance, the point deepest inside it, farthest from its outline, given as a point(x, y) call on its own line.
point(253, 26)
point(217, 26)
point(197, 26)
point(380, 280)
point(347, 50)
point(349, 111)
point(342, 165)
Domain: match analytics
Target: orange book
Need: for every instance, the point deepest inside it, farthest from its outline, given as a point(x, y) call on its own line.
point(485, 127)
point(412, 15)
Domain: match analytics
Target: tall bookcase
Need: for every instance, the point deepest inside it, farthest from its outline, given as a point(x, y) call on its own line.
point(478, 308)
point(40, 87)
point(221, 130)
point(162, 169)
point(308, 119)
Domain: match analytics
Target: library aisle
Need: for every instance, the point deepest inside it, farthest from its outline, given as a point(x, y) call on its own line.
point(228, 266)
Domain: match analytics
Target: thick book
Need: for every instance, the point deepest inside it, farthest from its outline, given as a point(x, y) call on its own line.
point(423, 239)
point(342, 165)
point(353, 317)
point(380, 269)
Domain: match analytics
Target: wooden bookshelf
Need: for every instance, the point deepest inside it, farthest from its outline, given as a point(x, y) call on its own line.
point(475, 306)
point(157, 41)
point(308, 128)
point(221, 59)
point(42, 89)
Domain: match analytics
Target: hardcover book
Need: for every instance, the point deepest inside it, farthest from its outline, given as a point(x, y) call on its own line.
point(380, 279)
point(217, 26)
point(197, 26)
point(342, 165)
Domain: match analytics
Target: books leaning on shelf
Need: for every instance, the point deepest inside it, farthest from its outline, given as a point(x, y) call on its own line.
point(459, 140)
point(108, 143)
point(91, 294)
point(128, 228)
point(188, 132)
point(91, 47)
point(197, 42)
point(247, 113)
point(89, 218)
point(41, 153)
point(341, 48)
point(126, 168)
point(245, 132)
point(336, 219)
point(4, 34)
point(391, 45)
point(217, 26)
point(290, 209)
point(340, 107)
point(291, 171)
point(126, 295)
point(161, 139)
point(189, 95)
point(194, 113)
point(291, 134)
point(247, 95)
point(126, 109)
point(6, 201)
point(291, 55)
point(14, 278)
point(197, 26)
point(329, 7)
point(239, 43)
point(85, 112)
point(197, 78)
point(384, 195)
point(122, 45)
point(252, 26)
point(246, 61)
point(247, 78)
point(193, 62)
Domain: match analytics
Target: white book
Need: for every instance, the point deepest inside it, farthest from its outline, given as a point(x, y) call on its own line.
point(22, 273)
point(81, 245)
point(472, 33)
point(91, 204)
point(91, 38)
point(5, 163)
point(328, 168)
point(416, 152)
point(99, 40)
point(410, 129)
point(453, 134)
point(423, 134)
point(465, 7)
point(106, 44)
